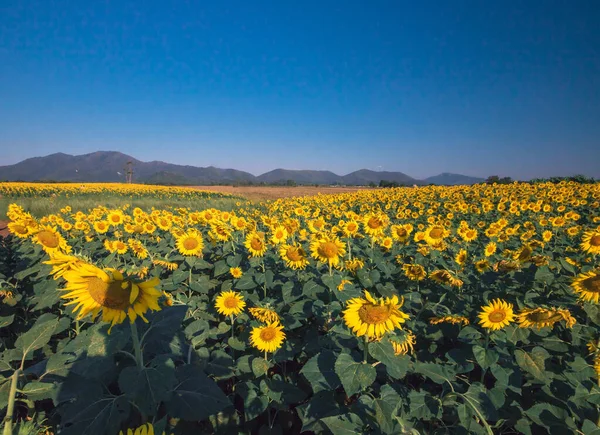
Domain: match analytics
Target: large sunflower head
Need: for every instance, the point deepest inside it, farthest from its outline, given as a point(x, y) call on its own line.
point(496, 315)
point(230, 303)
point(590, 242)
point(435, 234)
point(541, 317)
point(294, 256)
point(374, 317)
point(328, 249)
point(255, 243)
point(587, 286)
point(267, 338)
point(414, 272)
point(190, 243)
point(50, 239)
point(280, 234)
point(92, 290)
point(375, 223)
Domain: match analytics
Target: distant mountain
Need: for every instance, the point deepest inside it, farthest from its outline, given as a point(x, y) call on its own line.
point(448, 179)
point(110, 166)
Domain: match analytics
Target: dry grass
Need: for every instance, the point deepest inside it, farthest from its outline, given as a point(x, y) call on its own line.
point(263, 193)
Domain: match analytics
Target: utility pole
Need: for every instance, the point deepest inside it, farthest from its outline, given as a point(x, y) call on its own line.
point(129, 172)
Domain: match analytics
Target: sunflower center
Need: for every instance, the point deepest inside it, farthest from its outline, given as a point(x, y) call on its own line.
point(595, 240)
point(592, 284)
point(48, 239)
point(19, 229)
point(401, 232)
point(256, 244)
point(351, 226)
point(190, 243)
point(497, 316)
point(279, 234)
point(374, 314)
point(374, 223)
point(230, 302)
point(268, 334)
point(328, 250)
point(436, 233)
point(115, 218)
point(109, 295)
point(295, 254)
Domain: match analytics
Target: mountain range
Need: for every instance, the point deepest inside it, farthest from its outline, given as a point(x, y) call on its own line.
point(111, 166)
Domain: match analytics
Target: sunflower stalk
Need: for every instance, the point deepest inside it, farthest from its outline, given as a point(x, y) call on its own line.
point(137, 348)
point(8, 420)
point(366, 349)
point(487, 343)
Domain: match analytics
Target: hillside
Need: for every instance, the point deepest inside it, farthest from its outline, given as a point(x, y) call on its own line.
point(109, 166)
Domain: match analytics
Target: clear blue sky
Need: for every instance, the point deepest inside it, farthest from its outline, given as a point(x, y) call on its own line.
point(474, 87)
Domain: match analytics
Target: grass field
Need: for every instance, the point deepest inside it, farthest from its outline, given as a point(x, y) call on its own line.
point(386, 311)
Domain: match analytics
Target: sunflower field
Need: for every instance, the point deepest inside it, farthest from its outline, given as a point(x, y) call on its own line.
point(468, 309)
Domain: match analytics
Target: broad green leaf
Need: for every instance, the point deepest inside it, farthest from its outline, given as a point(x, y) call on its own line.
point(485, 358)
point(221, 268)
point(396, 365)
point(6, 321)
point(436, 372)
point(196, 396)
point(236, 344)
point(37, 337)
point(260, 366)
point(320, 372)
point(94, 417)
point(550, 416)
point(355, 376)
point(424, 406)
point(345, 424)
point(284, 392)
point(322, 404)
point(533, 362)
point(36, 390)
point(246, 282)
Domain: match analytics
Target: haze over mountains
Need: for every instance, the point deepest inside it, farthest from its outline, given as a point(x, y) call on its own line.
point(110, 166)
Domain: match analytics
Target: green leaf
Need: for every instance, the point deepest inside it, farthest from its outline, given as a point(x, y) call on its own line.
point(221, 268)
point(355, 376)
point(485, 358)
point(345, 424)
point(37, 337)
point(98, 416)
point(436, 372)
point(148, 387)
point(196, 396)
point(322, 404)
point(236, 344)
point(36, 390)
point(549, 416)
point(396, 365)
point(6, 321)
point(246, 282)
point(320, 372)
point(220, 365)
point(424, 406)
point(254, 403)
point(544, 274)
point(284, 392)
point(534, 362)
point(260, 366)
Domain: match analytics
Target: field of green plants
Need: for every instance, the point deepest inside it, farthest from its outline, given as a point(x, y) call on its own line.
point(444, 310)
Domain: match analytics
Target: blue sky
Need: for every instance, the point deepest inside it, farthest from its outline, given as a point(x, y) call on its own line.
point(473, 87)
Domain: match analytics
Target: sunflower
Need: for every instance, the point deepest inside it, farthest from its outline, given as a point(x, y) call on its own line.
point(435, 234)
point(115, 218)
point(496, 315)
point(138, 249)
point(119, 247)
point(265, 315)
point(350, 228)
point(50, 239)
point(373, 318)
point(444, 276)
point(590, 242)
point(255, 243)
point(353, 265)
point(523, 255)
point(342, 284)
point(62, 263)
point(92, 290)
point(190, 243)
point(404, 344)
point(587, 285)
point(469, 235)
point(414, 272)
point(294, 256)
point(19, 229)
point(101, 227)
point(541, 317)
point(279, 235)
point(236, 272)
point(401, 233)
point(230, 303)
point(490, 249)
point(375, 223)
point(169, 265)
point(328, 249)
point(461, 257)
point(145, 429)
point(267, 338)
point(452, 319)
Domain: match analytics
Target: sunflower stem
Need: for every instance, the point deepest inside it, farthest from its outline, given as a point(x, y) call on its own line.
point(330, 271)
point(231, 325)
point(8, 420)
point(366, 349)
point(137, 348)
point(487, 342)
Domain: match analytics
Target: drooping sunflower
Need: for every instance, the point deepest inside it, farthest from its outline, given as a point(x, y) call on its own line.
point(414, 272)
point(169, 265)
point(328, 249)
point(452, 319)
point(587, 286)
point(294, 256)
point(353, 265)
point(482, 265)
point(236, 272)
point(50, 239)
point(62, 263)
point(444, 276)
point(230, 303)
point(496, 315)
point(590, 242)
point(461, 257)
point(523, 255)
point(264, 315)
point(267, 338)
point(255, 243)
point(541, 317)
point(404, 343)
point(190, 243)
point(373, 318)
point(92, 290)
